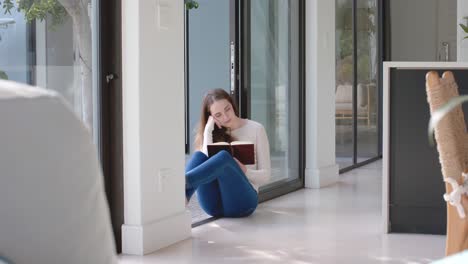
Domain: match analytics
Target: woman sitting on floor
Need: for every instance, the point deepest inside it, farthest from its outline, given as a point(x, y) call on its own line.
point(226, 187)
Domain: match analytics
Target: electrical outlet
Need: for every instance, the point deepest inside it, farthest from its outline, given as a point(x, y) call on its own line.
point(163, 175)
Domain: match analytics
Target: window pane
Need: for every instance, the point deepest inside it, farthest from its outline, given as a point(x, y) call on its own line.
point(208, 68)
point(367, 71)
point(54, 53)
point(274, 80)
point(344, 83)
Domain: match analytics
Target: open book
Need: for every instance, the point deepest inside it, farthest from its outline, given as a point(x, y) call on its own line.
point(241, 150)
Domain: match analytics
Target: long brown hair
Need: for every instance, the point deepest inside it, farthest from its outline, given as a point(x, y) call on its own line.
point(219, 134)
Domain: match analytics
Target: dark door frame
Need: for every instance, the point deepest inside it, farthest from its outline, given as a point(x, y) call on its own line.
point(380, 47)
point(110, 97)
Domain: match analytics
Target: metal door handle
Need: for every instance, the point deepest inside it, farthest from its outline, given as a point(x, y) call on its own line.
point(233, 68)
point(111, 76)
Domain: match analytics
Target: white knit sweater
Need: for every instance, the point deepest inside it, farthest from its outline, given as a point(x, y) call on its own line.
point(260, 172)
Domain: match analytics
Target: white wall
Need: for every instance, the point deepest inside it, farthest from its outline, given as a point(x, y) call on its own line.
point(418, 27)
point(153, 125)
point(413, 39)
point(462, 11)
point(321, 168)
point(446, 31)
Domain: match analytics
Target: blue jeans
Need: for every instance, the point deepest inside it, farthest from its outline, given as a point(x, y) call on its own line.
point(221, 185)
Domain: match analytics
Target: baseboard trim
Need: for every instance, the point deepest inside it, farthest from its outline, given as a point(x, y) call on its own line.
point(143, 239)
point(321, 177)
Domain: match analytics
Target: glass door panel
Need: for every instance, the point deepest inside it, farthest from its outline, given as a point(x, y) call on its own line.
point(262, 40)
point(57, 53)
point(207, 66)
point(367, 72)
point(344, 84)
point(357, 71)
point(272, 79)
point(208, 55)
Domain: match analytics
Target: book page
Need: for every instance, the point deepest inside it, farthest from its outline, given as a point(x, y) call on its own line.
point(241, 142)
point(219, 143)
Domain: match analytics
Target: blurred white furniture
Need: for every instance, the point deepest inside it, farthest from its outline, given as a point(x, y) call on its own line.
point(52, 203)
point(454, 259)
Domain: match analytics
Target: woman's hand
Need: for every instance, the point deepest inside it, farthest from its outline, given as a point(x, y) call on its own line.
point(218, 123)
point(209, 127)
point(242, 166)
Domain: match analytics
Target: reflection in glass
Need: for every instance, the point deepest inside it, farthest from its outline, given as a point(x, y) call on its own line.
point(344, 83)
point(366, 84)
point(50, 45)
point(367, 65)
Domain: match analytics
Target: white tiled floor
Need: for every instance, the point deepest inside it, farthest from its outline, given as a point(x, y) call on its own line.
point(337, 224)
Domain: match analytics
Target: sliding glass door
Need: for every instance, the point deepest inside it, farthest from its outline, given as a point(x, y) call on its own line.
point(356, 91)
point(344, 83)
point(367, 79)
point(271, 84)
point(254, 50)
point(58, 52)
point(61, 51)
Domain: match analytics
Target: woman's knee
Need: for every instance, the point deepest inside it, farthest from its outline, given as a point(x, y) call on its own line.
point(225, 159)
point(223, 154)
point(199, 154)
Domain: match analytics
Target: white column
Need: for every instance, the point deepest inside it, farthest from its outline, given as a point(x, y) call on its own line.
point(462, 44)
point(321, 168)
point(153, 125)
